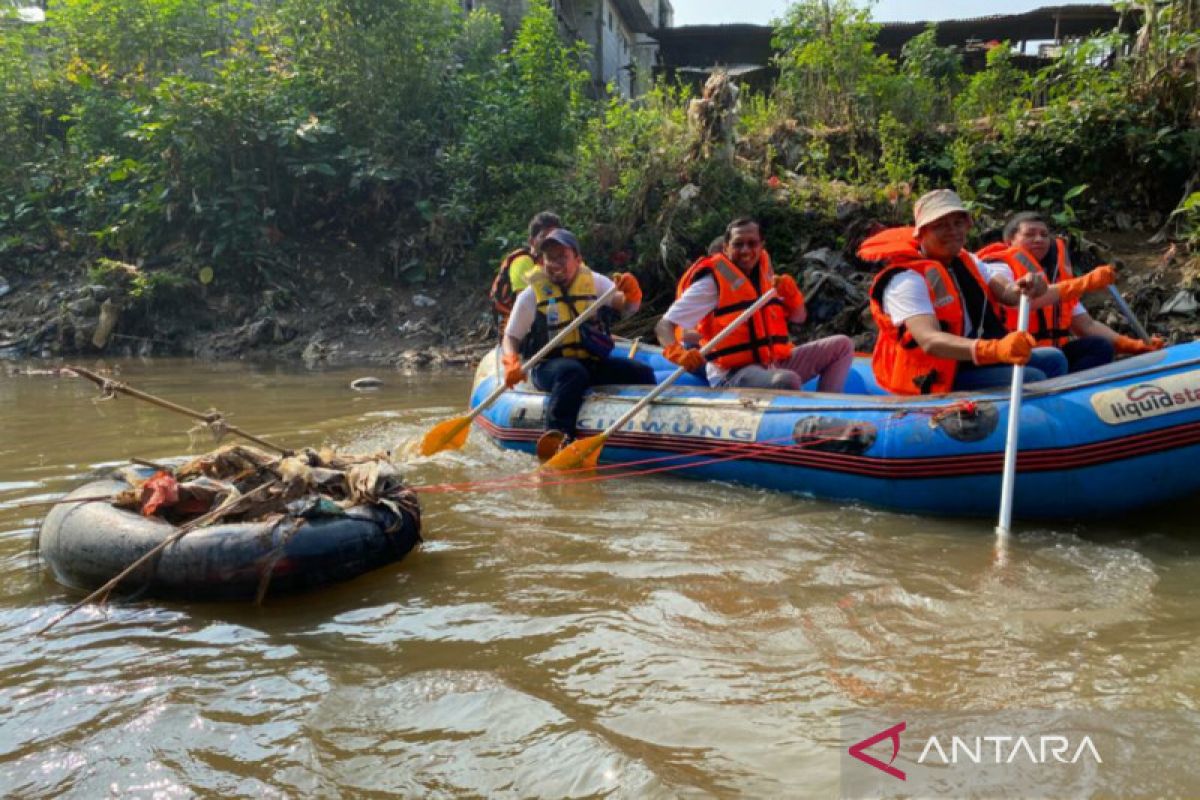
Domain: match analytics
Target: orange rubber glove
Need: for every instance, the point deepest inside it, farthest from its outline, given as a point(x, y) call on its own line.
point(691, 360)
point(513, 373)
point(1094, 281)
point(1016, 348)
point(789, 292)
point(629, 287)
point(1128, 346)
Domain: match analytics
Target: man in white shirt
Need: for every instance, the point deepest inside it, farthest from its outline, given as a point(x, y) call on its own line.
point(759, 354)
point(557, 294)
point(1086, 342)
point(963, 342)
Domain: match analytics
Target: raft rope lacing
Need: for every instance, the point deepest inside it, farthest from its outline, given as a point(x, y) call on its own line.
point(718, 454)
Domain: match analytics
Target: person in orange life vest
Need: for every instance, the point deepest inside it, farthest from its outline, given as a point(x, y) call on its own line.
point(689, 338)
point(939, 310)
point(759, 353)
point(1096, 343)
point(556, 294)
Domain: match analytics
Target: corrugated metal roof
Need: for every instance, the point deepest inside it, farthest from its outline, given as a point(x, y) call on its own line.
point(1047, 23)
point(705, 45)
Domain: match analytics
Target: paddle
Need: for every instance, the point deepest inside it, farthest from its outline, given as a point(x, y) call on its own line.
point(452, 433)
point(1014, 426)
point(586, 452)
point(1129, 316)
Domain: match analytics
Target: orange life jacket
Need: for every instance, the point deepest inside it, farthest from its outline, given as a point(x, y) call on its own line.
point(502, 293)
point(1050, 325)
point(899, 363)
point(762, 339)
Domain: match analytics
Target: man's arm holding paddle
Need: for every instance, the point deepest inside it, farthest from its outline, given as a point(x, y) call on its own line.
point(452, 433)
point(520, 322)
point(585, 453)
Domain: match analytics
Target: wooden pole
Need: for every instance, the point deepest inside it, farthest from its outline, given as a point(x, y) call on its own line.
point(212, 418)
point(41, 503)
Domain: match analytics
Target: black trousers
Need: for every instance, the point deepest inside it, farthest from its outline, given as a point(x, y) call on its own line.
point(566, 379)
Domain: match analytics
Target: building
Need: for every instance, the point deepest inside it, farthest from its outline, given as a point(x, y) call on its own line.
point(619, 34)
point(23, 11)
point(688, 54)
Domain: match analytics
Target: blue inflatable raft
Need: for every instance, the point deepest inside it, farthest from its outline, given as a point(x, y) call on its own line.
point(1099, 442)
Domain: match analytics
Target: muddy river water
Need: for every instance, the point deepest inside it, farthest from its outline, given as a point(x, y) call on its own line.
point(632, 638)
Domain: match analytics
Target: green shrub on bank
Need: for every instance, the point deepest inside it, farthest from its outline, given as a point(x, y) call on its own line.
point(229, 135)
point(524, 114)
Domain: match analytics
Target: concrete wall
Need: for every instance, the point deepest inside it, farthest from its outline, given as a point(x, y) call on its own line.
point(619, 55)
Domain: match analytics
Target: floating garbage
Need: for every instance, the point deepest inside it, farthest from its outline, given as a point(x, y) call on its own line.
point(234, 523)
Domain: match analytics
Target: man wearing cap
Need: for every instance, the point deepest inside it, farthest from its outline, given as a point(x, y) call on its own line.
point(557, 293)
point(759, 354)
point(939, 309)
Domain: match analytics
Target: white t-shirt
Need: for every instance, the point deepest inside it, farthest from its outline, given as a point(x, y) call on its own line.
point(520, 321)
point(697, 302)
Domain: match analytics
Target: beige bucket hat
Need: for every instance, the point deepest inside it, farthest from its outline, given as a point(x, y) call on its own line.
point(932, 206)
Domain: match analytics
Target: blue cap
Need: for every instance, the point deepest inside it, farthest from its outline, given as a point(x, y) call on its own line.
point(563, 237)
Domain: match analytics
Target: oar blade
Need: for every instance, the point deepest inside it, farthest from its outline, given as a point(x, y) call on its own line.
point(583, 454)
point(449, 435)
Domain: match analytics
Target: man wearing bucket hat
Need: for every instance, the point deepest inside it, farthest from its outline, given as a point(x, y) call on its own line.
point(558, 292)
point(940, 312)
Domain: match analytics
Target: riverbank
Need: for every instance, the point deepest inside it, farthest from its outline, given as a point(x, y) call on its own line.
point(340, 308)
point(329, 309)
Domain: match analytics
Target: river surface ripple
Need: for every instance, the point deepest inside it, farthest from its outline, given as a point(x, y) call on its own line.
point(633, 638)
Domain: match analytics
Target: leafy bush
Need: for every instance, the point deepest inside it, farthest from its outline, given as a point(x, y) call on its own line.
point(525, 112)
point(227, 134)
point(1188, 214)
point(826, 59)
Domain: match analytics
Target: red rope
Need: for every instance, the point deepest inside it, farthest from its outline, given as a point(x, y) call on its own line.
point(621, 470)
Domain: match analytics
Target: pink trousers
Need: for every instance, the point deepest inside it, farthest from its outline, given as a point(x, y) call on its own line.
point(830, 358)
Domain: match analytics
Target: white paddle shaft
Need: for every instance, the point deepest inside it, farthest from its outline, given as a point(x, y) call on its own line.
point(1129, 315)
point(1014, 428)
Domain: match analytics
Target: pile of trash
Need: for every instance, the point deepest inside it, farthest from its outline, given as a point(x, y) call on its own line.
point(835, 286)
point(310, 483)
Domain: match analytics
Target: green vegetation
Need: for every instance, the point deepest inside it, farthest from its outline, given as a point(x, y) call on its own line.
point(219, 138)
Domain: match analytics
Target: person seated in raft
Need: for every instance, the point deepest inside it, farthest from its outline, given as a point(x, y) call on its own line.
point(759, 354)
point(517, 266)
point(690, 337)
point(940, 311)
point(558, 292)
point(1029, 246)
